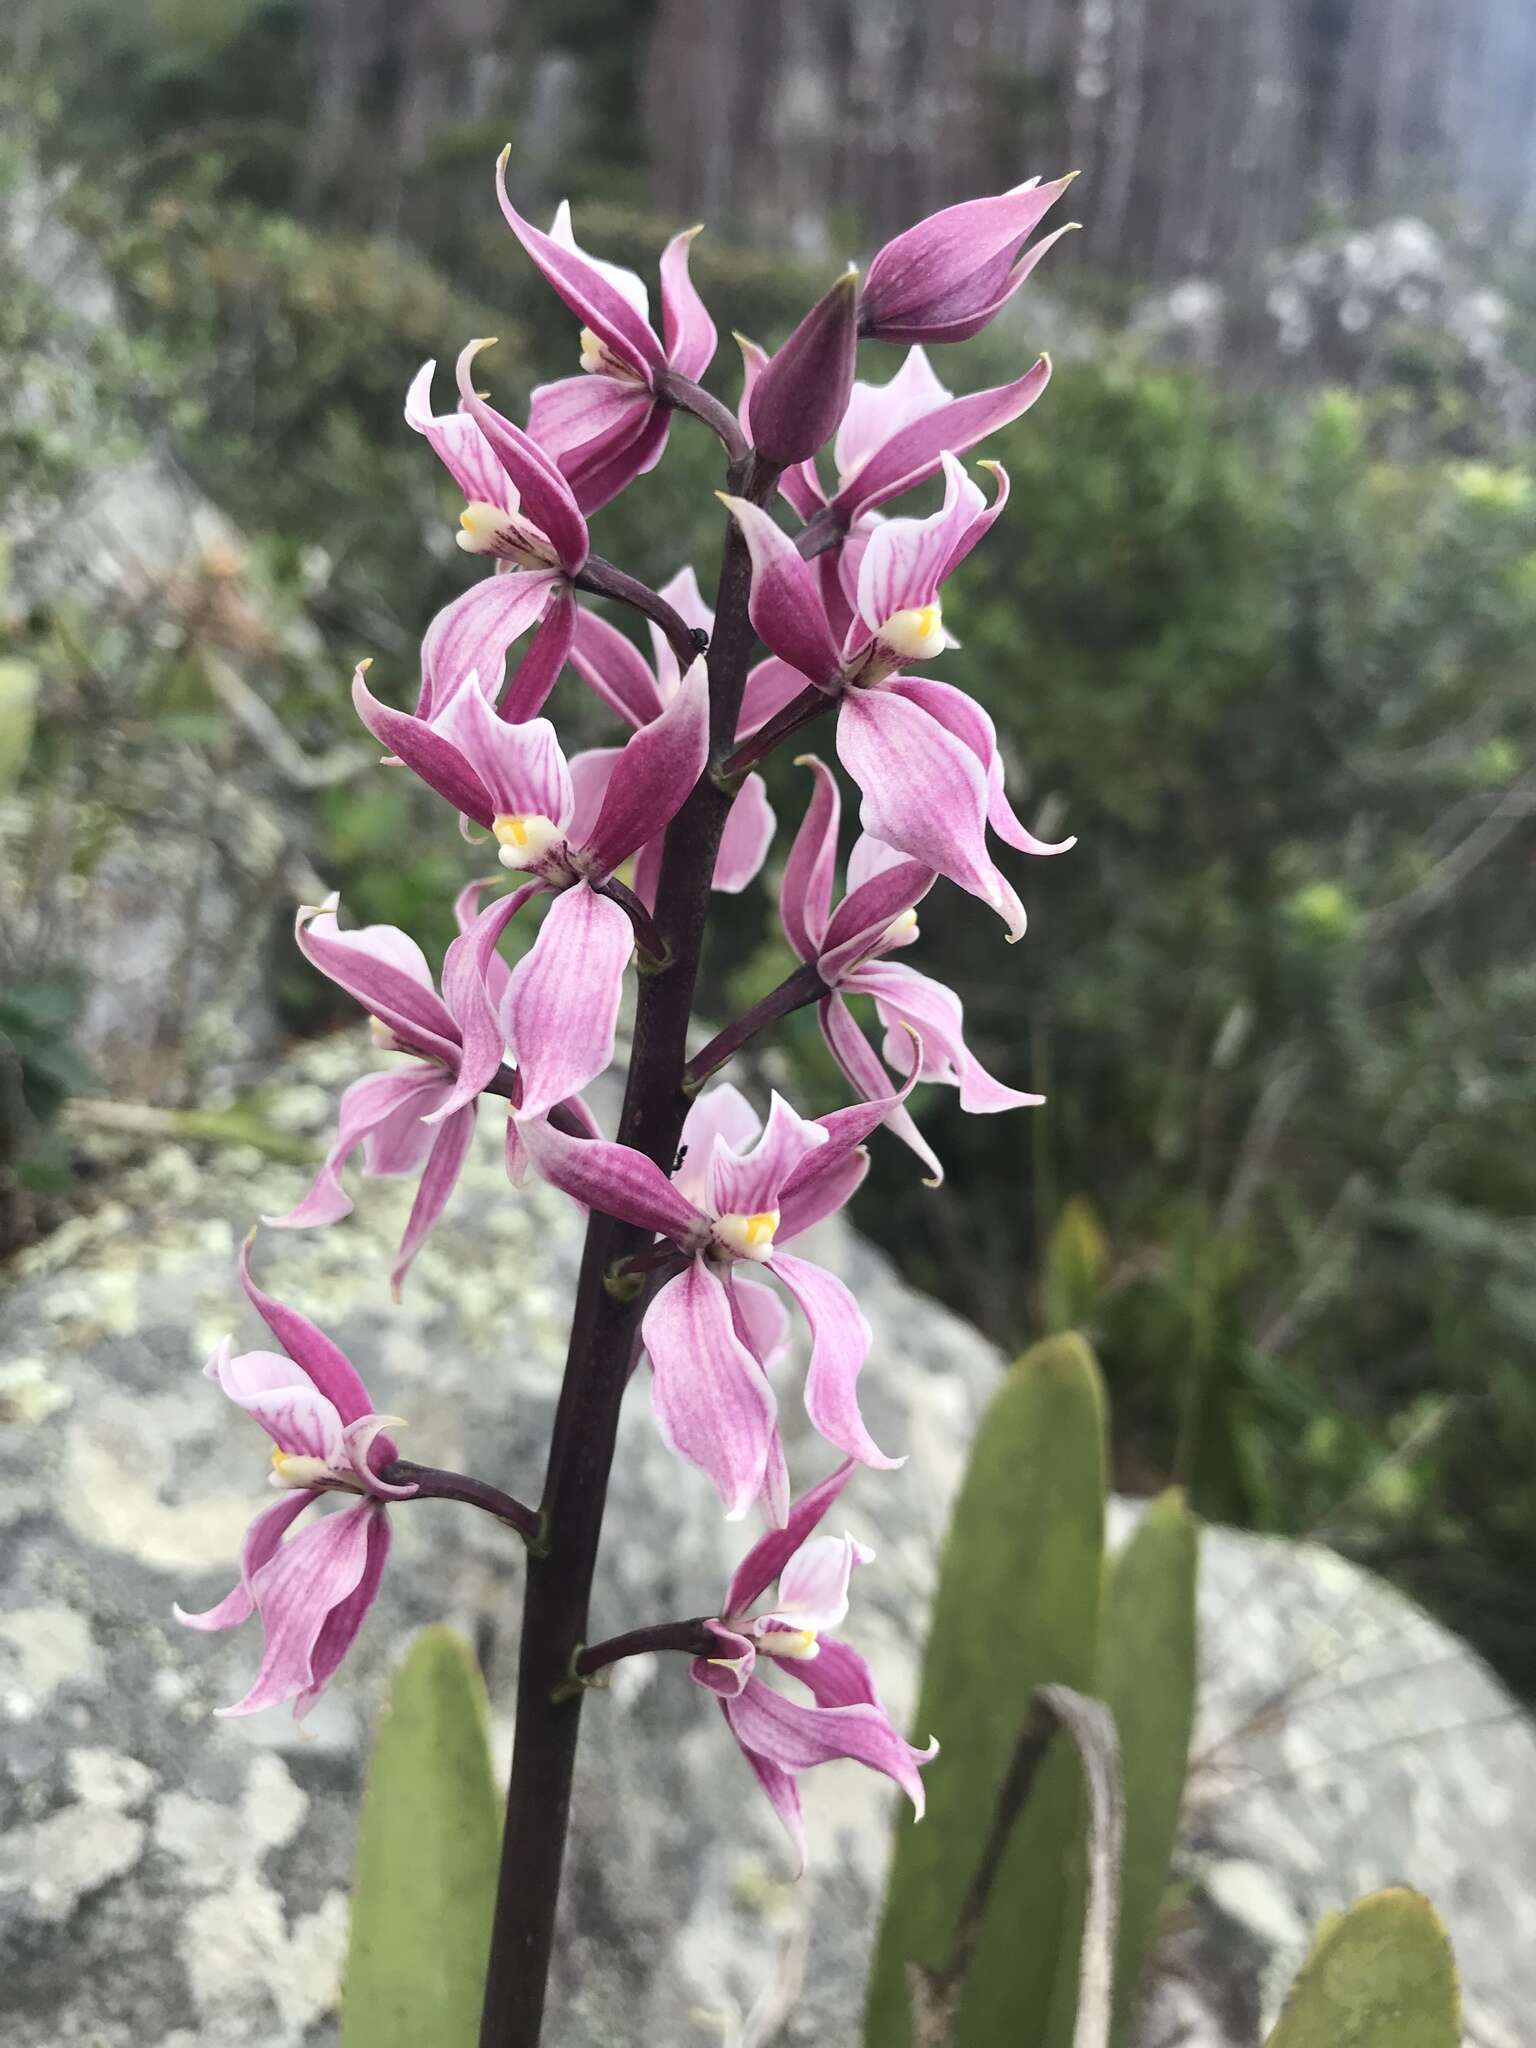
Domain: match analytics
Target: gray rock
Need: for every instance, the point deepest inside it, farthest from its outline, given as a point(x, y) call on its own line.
point(169, 1878)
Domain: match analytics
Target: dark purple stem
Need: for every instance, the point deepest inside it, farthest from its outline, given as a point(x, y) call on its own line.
point(804, 986)
point(693, 1638)
point(812, 703)
point(686, 396)
point(646, 935)
point(602, 579)
point(433, 1484)
point(822, 531)
point(605, 1331)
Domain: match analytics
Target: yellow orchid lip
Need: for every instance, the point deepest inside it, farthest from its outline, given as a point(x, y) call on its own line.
point(524, 837)
point(750, 1237)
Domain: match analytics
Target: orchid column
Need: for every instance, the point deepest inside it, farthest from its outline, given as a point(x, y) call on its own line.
point(693, 1202)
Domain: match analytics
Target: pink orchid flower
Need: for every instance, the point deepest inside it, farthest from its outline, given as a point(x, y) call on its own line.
point(313, 1591)
point(711, 1333)
point(610, 425)
point(617, 671)
point(849, 948)
point(567, 825)
point(894, 436)
point(419, 1120)
point(520, 510)
point(923, 753)
point(780, 1737)
point(946, 278)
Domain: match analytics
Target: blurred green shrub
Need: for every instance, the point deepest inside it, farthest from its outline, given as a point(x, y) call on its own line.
point(1270, 660)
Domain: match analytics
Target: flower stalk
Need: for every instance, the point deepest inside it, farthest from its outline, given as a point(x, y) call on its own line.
point(693, 1206)
point(604, 1338)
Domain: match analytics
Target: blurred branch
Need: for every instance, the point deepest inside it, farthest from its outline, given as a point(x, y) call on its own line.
point(257, 718)
point(936, 1994)
point(1448, 874)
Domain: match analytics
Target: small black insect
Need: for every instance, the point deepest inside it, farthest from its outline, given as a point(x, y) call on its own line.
point(682, 1154)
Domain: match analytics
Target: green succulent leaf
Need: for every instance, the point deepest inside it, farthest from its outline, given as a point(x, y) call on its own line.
point(1381, 1975)
point(1017, 1607)
point(1147, 1676)
point(426, 1859)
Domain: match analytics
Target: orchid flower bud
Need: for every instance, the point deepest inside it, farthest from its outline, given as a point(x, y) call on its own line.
point(800, 395)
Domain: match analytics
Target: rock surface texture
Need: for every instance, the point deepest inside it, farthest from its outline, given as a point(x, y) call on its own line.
point(167, 1878)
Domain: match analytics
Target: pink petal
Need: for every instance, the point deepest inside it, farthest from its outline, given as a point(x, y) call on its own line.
point(261, 1541)
point(840, 1341)
point(758, 1317)
point(754, 360)
point(614, 1179)
point(546, 496)
point(1005, 822)
point(296, 1592)
point(761, 1566)
point(744, 843)
point(805, 895)
point(386, 972)
point(878, 412)
point(925, 793)
point(987, 300)
point(653, 777)
point(813, 1586)
point(712, 1403)
point(785, 604)
point(966, 719)
point(720, 1112)
point(599, 471)
point(615, 668)
point(934, 1012)
point(907, 559)
point(686, 327)
point(836, 1676)
point(425, 752)
point(523, 771)
point(867, 912)
point(457, 442)
point(576, 414)
point(829, 1184)
point(328, 1366)
point(466, 991)
point(364, 1106)
point(344, 1621)
point(801, 484)
point(954, 268)
point(445, 1162)
point(913, 450)
point(728, 1671)
point(563, 999)
point(859, 1061)
point(589, 293)
point(746, 1184)
point(475, 631)
point(779, 1785)
point(361, 1437)
point(797, 1738)
point(591, 773)
point(397, 1146)
point(539, 670)
point(771, 685)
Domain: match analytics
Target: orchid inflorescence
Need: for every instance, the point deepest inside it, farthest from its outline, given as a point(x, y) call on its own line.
point(697, 1203)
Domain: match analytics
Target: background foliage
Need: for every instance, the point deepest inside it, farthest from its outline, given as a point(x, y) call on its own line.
point(1267, 653)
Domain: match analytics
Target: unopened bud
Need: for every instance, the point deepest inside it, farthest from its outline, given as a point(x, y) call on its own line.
point(800, 395)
